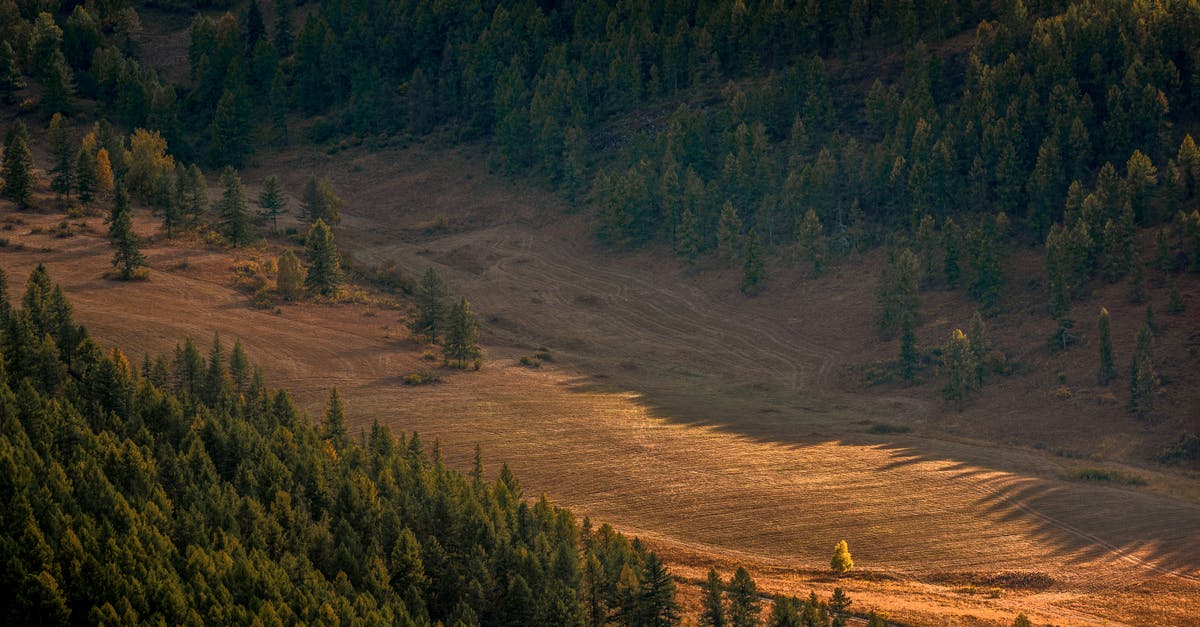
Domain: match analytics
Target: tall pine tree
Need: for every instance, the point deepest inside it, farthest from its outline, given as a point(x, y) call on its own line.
point(18, 167)
point(461, 344)
point(128, 256)
point(64, 157)
point(235, 217)
point(324, 263)
point(430, 298)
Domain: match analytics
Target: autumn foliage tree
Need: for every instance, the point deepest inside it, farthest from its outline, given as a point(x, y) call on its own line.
point(841, 561)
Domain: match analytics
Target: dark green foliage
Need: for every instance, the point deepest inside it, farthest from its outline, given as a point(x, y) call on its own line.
point(657, 596)
point(18, 166)
point(785, 613)
point(687, 238)
point(231, 129)
point(461, 343)
point(430, 299)
point(729, 234)
point(58, 86)
point(128, 256)
point(10, 73)
point(1143, 381)
point(960, 370)
point(134, 501)
point(324, 263)
point(897, 292)
point(236, 223)
point(712, 602)
point(319, 202)
point(1107, 370)
point(754, 270)
point(61, 151)
point(744, 605)
point(272, 201)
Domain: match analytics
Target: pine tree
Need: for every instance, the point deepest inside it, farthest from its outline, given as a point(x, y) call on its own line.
point(283, 37)
point(10, 73)
point(754, 269)
point(18, 167)
point(461, 344)
point(952, 249)
point(239, 367)
point(333, 423)
point(64, 158)
point(272, 201)
point(1107, 370)
point(839, 602)
point(687, 238)
point(231, 127)
point(319, 202)
point(841, 561)
point(234, 216)
point(657, 597)
point(744, 605)
point(128, 256)
point(811, 240)
point(290, 279)
point(897, 293)
point(85, 176)
point(431, 308)
point(712, 602)
point(58, 89)
point(960, 371)
point(324, 264)
point(1143, 381)
point(255, 29)
point(729, 233)
point(277, 101)
point(785, 612)
point(980, 345)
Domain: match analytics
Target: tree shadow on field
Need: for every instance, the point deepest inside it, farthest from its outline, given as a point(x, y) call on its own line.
point(1077, 523)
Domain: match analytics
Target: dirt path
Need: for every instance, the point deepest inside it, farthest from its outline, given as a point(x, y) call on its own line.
point(714, 427)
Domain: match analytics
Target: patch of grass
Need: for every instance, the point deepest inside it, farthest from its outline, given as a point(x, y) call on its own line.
point(1108, 476)
point(885, 428)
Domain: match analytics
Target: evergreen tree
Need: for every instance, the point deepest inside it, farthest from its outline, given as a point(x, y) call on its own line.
point(839, 602)
point(657, 597)
point(1143, 381)
point(952, 248)
point(319, 202)
point(744, 605)
point(10, 73)
point(18, 167)
point(283, 37)
point(712, 602)
point(272, 201)
point(192, 189)
point(754, 269)
point(333, 423)
point(897, 293)
point(277, 101)
point(85, 176)
point(239, 367)
point(255, 28)
point(290, 279)
point(324, 263)
point(430, 298)
point(810, 238)
point(960, 371)
point(1107, 370)
point(58, 88)
point(729, 233)
point(687, 238)
point(461, 343)
point(64, 157)
point(785, 613)
point(232, 211)
point(231, 129)
point(128, 256)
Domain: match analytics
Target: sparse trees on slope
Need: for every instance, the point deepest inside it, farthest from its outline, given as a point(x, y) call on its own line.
point(324, 262)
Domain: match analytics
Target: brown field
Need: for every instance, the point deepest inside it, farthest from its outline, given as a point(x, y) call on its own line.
point(720, 429)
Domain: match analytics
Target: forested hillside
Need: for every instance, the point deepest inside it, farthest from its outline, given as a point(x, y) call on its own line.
point(184, 491)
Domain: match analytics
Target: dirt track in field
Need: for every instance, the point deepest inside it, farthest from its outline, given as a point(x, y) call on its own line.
point(723, 430)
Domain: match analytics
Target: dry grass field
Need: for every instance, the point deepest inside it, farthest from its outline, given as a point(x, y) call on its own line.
point(720, 429)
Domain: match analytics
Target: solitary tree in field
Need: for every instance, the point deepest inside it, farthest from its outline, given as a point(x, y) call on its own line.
point(461, 344)
point(290, 278)
point(18, 166)
point(744, 606)
point(430, 299)
point(324, 263)
point(842, 562)
point(272, 201)
point(713, 612)
point(1107, 371)
point(1142, 378)
point(128, 256)
point(960, 371)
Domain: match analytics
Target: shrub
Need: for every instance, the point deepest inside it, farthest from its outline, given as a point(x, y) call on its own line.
point(1109, 476)
point(883, 427)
